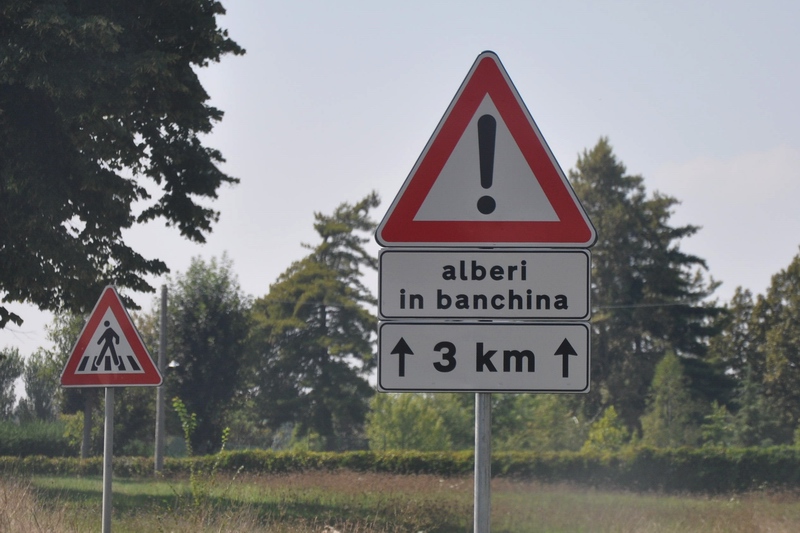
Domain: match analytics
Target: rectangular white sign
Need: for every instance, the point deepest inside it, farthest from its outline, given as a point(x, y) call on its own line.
point(490, 284)
point(483, 357)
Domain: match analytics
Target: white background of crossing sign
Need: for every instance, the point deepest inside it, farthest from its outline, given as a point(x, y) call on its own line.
point(543, 339)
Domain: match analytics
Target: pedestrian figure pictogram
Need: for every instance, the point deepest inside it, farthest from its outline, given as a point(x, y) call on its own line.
point(109, 337)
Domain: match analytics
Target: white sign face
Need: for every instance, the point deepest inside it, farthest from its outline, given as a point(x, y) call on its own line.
point(483, 357)
point(490, 284)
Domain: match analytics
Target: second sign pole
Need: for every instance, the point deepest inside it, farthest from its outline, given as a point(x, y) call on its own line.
point(483, 463)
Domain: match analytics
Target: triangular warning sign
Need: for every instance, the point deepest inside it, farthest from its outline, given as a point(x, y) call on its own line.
point(486, 177)
point(109, 351)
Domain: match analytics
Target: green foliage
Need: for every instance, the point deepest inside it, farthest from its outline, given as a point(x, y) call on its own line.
point(405, 422)
point(737, 345)
point(201, 480)
point(102, 116)
point(314, 333)
point(11, 367)
point(718, 428)
point(188, 422)
point(758, 348)
point(648, 294)
point(538, 422)
point(758, 420)
point(670, 420)
point(208, 324)
point(36, 438)
point(779, 313)
point(63, 333)
point(308, 441)
point(740, 349)
point(134, 421)
point(78, 435)
point(245, 432)
point(608, 434)
point(42, 388)
point(457, 411)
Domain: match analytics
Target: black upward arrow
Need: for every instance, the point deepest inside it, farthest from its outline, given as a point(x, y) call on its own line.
point(402, 349)
point(565, 350)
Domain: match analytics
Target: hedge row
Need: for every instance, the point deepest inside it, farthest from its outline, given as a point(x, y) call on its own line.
point(35, 438)
point(706, 470)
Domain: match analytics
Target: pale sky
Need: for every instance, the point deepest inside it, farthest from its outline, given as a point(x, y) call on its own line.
point(335, 99)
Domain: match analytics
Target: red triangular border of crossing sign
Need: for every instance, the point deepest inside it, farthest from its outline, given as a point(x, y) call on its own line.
point(150, 376)
point(573, 227)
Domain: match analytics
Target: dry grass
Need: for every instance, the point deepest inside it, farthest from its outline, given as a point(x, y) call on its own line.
point(20, 512)
point(357, 502)
point(533, 507)
point(351, 502)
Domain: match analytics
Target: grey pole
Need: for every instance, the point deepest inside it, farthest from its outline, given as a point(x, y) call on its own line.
point(483, 463)
point(162, 357)
point(108, 452)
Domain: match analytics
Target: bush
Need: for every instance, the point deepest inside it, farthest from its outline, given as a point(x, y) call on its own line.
point(34, 438)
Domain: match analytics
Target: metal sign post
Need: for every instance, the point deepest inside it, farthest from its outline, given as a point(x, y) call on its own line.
point(108, 452)
point(482, 509)
point(160, 392)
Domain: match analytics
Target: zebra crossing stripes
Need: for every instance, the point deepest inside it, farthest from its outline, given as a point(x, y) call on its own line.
point(107, 365)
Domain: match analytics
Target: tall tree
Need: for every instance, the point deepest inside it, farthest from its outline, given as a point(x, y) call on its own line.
point(672, 417)
point(406, 422)
point(648, 295)
point(208, 324)
point(758, 345)
point(778, 313)
point(740, 349)
point(458, 415)
point(100, 108)
point(315, 331)
point(607, 434)
point(42, 388)
point(737, 344)
point(11, 367)
point(539, 422)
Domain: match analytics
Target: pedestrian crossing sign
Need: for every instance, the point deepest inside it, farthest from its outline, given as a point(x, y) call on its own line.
point(109, 351)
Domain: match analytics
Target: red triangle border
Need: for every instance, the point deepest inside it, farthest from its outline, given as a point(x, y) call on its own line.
point(573, 228)
point(150, 376)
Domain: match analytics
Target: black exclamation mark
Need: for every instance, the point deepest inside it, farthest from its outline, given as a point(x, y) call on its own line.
point(486, 133)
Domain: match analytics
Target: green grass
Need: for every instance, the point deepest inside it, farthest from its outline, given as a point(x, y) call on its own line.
point(357, 502)
point(306, 502)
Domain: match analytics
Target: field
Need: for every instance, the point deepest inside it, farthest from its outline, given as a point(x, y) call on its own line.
point(356, 502)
